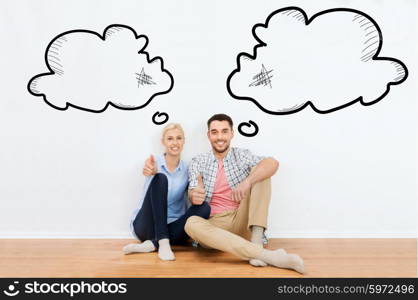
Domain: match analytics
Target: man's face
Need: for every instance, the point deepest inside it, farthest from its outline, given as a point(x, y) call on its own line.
point(220, 135)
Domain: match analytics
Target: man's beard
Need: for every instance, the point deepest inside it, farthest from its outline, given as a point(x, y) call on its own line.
point(221, 151)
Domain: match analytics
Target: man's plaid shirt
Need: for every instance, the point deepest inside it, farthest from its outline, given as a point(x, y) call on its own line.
point(237, 164)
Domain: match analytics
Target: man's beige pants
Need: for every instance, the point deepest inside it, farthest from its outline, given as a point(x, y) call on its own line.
point(230, 231)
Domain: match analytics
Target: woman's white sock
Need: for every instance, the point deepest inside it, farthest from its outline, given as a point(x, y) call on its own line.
point(164, 250)
point(144, 247)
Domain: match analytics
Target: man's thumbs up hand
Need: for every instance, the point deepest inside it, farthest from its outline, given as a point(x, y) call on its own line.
point(200, 181)
point(150, 166)
point(198, 193)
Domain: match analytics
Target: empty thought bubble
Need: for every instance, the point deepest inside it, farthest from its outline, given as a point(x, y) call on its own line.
point(328, 62)
point(90, 72)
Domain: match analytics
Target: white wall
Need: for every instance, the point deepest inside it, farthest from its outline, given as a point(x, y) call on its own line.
point(352, 173)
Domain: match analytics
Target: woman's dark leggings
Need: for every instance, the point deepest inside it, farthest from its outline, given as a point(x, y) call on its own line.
point(151, 221)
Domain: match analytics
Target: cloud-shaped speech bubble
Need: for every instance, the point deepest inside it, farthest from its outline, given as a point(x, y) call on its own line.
point(327, 62)
point(90, 72)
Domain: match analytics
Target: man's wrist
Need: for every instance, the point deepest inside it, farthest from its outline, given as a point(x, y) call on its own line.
point(249, 180)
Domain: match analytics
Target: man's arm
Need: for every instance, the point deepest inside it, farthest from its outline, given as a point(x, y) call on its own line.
point(263, 170)
point(196, 191)
point(266, 168)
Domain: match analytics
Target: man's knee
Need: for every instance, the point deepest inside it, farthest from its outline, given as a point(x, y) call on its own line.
point(191, 223)
point(264, 185)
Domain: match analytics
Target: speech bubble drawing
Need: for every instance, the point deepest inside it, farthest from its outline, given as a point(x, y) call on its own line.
point(160, 118)
point(91, 72)
point(251, 125)
point(328, 62)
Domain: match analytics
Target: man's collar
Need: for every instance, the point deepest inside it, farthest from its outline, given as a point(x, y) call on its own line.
point(226, 158)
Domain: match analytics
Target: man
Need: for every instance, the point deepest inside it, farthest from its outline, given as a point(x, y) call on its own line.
point(237, 186)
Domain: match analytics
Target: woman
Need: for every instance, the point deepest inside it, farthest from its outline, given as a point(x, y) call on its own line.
point(160, 218)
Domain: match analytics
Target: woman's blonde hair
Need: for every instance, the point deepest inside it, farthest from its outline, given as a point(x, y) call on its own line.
point(172, 126)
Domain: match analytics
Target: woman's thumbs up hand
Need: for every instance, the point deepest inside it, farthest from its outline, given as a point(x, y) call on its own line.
point(150, 166)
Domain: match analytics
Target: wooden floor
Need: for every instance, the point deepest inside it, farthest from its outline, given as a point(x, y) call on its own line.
point(104, 258)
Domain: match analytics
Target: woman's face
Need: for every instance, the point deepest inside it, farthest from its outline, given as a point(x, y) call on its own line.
point(173, 141)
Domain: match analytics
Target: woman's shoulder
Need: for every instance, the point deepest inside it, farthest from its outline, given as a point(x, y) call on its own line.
point(184, 164)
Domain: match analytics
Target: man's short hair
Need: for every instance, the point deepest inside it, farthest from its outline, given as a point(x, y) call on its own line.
point(221, 117)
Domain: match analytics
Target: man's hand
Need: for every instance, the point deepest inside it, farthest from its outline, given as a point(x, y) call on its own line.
point(197, 195)
point(241, 191)
point(150, 167)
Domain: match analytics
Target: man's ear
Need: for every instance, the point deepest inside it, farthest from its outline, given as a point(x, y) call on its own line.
point(208, 134)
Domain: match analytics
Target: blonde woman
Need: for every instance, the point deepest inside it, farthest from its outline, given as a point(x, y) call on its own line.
point(161, 214)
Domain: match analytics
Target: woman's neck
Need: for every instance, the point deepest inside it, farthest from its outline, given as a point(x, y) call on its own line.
point(172, 161)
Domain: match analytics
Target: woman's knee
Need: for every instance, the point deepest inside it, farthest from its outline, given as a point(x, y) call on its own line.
point(159, 178)
point(202, 210)
point(159, 182)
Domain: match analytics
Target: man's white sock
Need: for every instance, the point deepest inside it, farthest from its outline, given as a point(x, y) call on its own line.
point(279, 258)
point(257, 238)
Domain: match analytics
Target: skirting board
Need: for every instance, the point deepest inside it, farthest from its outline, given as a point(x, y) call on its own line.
point(127, 235)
